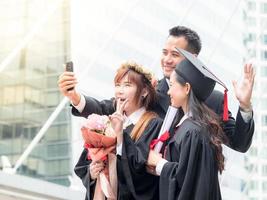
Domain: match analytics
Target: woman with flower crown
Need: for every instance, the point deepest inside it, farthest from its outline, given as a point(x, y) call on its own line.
point(135, 126)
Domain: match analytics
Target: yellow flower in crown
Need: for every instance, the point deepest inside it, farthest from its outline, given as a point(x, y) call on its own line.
point(138, 69)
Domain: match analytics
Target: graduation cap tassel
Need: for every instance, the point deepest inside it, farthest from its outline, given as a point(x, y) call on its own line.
point(225, 107)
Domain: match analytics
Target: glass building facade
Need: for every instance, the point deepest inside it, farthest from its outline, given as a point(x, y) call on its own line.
point(98, 36)
point(255, 35)
point(28, 85)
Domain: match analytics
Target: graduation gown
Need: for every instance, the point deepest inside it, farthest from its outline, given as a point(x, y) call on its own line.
point(238, 132)
point(192, 172)
point(81, 169)
point(133, 180)
point(163, 99)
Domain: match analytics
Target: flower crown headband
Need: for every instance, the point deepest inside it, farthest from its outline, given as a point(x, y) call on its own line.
point(138, 69)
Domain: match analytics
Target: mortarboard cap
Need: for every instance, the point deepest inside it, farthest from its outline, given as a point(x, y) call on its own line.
point(201, 79)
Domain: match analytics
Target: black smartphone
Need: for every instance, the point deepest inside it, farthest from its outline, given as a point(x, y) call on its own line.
point(69, 68)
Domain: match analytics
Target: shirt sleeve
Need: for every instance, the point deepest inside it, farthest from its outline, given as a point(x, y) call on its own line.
point(160, 166)
point(81, 104)
point(119, 149)
point(247, 116)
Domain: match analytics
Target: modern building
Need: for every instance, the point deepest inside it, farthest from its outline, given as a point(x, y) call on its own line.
point(35, 42)
point(97, 36)
point(255, 40)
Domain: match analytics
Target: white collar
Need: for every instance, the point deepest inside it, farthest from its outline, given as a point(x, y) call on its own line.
point(186, 115)
point(134, 117)
point(168, 81)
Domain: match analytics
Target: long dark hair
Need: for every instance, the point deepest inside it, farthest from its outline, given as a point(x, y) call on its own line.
point(206, 117)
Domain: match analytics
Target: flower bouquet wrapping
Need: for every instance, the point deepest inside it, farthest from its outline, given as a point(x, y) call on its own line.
point(100, 140)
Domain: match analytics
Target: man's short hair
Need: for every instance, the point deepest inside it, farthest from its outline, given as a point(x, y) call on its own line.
point(193, 39)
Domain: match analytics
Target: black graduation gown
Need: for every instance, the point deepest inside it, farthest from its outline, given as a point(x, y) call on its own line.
point(163, 99)
point(133, 180)
point(238, 132)
point(192, 172)
point(81, 169)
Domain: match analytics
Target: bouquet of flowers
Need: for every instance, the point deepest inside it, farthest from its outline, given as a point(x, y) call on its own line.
point(100, 140)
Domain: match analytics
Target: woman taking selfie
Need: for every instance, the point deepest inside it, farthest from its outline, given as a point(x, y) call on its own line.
point(136, 126)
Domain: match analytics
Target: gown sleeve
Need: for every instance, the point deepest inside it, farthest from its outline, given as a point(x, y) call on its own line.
point(238, 132)
point(241, 139)
point(105, 107)
point(81, 169)
point(192, 173)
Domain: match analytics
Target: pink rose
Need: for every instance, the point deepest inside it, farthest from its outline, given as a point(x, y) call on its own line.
point(97, 123)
